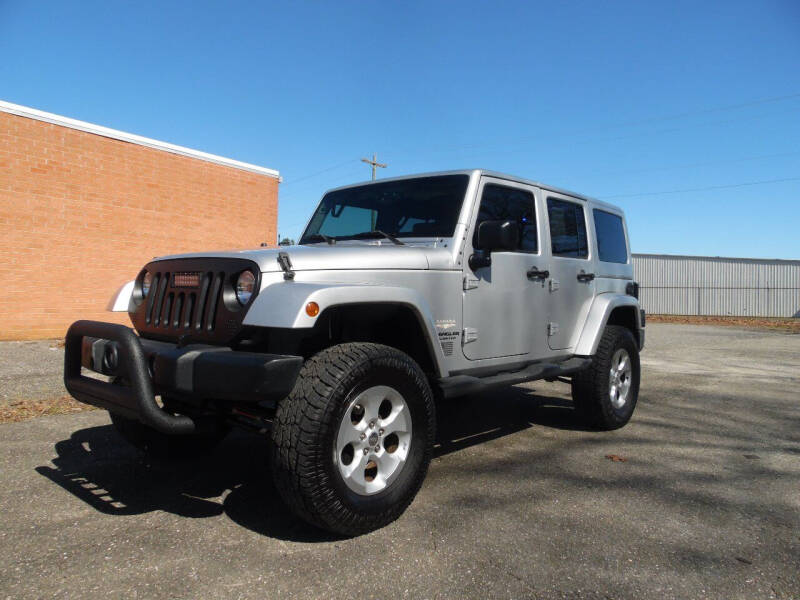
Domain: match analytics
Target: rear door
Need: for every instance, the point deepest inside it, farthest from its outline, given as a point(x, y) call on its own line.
point(504, 309)
point(572, 276)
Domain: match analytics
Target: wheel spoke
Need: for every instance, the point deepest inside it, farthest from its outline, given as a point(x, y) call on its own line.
point(403, 444)
point(622, 366)
point(371, 401)
point(349, 433)
point(626, 385)
point(352, 470)
point(387, 463)
point(356, 477)
point(397, 421)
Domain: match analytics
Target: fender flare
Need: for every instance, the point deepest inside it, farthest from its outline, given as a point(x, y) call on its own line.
point(601, 309)
point(283, 305)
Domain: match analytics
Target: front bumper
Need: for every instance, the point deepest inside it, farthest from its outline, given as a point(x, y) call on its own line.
point(151, 367)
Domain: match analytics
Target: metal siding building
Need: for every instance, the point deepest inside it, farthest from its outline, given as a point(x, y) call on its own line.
point(706, 285)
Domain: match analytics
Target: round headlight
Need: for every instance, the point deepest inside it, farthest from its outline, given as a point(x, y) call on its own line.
point(245, 286)
point(147, 281)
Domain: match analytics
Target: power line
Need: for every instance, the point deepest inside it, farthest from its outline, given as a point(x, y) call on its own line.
point(674, 116)
point(703, 189)
point(611, 127)
point(721, 108)
point(693, 165)
point(309, 176)
point(348, 177)
point(556, 140)
point(625, 124)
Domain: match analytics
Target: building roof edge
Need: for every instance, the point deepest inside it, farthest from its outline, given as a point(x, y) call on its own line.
point(40, 115)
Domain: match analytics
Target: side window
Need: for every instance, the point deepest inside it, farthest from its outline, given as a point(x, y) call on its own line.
point(611, 246)
point(501, 203)
point(567, 228)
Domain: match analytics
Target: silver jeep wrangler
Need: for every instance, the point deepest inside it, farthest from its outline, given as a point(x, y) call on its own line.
point(401, 292)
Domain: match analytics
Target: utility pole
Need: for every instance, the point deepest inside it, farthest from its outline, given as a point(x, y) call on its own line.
point(374, 162)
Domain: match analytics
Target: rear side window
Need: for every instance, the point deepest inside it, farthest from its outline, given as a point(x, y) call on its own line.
point(611, 246)
point(501, 203)
point(567, 229)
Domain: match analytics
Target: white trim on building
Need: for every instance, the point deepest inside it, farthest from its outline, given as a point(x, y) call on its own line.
point(39, 115)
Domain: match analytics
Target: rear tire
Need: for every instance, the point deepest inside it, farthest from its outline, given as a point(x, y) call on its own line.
point(352, 442)
point(606, 393)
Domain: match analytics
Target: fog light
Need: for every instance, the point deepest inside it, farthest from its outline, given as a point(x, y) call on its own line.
point(312, 309)
point(110, 359)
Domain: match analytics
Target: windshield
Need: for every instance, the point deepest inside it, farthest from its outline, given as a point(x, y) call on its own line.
point(421, 207)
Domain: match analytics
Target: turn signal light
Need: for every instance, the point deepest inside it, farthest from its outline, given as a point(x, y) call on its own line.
point(312, 309)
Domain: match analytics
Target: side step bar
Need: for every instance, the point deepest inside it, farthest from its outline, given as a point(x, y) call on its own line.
point(460, 385)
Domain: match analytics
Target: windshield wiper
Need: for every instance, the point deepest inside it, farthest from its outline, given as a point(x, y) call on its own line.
point(375, 233)
point(319, 237)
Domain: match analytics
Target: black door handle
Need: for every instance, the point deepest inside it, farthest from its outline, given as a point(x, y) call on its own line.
point(534, 273)
point(585, 276)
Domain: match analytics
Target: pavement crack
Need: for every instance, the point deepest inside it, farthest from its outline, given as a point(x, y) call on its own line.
point(499, 567)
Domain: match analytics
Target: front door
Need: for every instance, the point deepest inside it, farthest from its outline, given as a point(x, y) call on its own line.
point(572, 285)
point(504, 306)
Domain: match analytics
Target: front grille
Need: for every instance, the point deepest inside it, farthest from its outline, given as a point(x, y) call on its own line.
point(192, 299)
point(193, 310)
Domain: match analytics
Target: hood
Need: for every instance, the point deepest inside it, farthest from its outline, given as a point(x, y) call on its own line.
point(338, 257)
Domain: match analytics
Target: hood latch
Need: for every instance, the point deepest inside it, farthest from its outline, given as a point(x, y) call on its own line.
point(286, 264)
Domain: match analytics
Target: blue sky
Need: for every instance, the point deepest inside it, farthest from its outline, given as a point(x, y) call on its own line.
point(618, 100)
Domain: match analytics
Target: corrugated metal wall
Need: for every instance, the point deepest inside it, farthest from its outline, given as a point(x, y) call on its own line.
point(705, 285)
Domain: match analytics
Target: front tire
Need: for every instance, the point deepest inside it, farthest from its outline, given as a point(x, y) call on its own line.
point(606, 393)
point(353, 441)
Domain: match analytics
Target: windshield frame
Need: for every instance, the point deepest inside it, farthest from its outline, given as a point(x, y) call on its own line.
point(449, 222)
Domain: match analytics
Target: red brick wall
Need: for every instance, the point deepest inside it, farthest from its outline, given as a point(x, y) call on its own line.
point(80, 214)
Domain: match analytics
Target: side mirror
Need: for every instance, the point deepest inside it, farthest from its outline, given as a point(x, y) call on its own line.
point(497, 235)
point(493, 235)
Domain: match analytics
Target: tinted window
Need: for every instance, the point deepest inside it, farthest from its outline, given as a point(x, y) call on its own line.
point(611, 245)
point(351, 219)
point(501, 203)
point(419, 207)
point(567, 228)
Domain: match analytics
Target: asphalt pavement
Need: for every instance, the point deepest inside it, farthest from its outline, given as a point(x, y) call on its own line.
point(31, 370)
point(521, 501)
